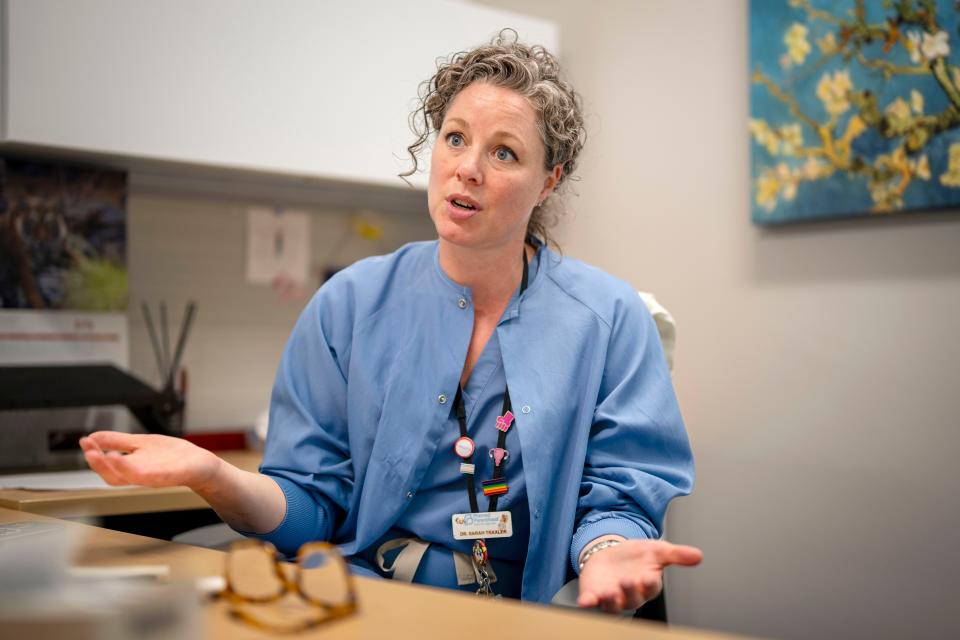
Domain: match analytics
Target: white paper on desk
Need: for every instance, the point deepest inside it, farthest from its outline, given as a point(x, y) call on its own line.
point(56, 481)
point(278, 245)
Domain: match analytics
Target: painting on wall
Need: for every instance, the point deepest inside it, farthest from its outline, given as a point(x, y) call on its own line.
point(63, 237)
point(854, 108)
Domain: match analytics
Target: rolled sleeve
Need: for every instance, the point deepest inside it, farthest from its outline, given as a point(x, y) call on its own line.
point(638, 457)
point(307, 517)
point(307, 450)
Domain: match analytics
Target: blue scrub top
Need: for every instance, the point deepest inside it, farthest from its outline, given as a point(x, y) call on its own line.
point(361, 430)
point(443, 491)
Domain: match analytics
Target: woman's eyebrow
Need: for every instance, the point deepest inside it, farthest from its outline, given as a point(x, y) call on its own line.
point(460, 121)
point(517, 140)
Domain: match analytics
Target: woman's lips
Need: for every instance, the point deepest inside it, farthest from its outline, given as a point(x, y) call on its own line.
point(458, 213)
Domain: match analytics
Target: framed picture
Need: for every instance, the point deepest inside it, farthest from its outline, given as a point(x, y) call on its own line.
point(63, 237)
point(854, 108)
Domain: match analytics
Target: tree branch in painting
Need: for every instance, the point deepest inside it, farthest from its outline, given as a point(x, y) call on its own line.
point(911, 26)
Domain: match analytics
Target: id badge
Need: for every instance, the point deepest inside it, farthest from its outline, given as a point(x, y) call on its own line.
point(489, 524)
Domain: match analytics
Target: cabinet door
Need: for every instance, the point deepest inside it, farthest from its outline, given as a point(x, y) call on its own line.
point(298, 87)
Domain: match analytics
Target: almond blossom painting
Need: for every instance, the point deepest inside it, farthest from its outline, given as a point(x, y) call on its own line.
point(854, 108)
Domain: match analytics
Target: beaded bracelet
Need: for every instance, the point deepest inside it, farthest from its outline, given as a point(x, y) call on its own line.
point(600, 546)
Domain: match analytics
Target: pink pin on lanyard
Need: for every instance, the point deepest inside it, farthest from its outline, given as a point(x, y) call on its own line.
point(499, 454)
point(464, 447)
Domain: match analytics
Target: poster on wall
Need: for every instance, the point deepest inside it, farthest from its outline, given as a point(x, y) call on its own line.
point(854, 108)
point(63, 263)
point(63, 237)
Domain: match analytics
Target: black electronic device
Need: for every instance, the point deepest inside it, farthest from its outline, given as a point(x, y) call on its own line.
point(34, 396)
point(66, 386)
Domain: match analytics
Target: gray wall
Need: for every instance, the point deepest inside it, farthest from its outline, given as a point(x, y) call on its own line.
point(818, 368)
point(185, 246)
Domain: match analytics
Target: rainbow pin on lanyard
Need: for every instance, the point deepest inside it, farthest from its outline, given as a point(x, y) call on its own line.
point(495, 487)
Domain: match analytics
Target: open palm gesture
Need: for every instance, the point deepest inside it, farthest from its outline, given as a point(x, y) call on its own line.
point(631, 573)
point(148, 460)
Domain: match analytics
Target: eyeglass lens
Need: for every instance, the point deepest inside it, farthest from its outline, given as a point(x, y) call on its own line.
point(323, 577)
point(252, 573)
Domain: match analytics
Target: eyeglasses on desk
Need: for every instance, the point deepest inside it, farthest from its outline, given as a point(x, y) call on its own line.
point(280, 597)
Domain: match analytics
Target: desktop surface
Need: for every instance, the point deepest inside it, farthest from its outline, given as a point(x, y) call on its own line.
point(387, 609)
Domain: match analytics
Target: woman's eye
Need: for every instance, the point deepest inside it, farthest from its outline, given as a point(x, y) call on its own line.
point(503, 154)
point(455, 139)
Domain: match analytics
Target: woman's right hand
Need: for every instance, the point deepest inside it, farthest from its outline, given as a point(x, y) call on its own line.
point(149, 460)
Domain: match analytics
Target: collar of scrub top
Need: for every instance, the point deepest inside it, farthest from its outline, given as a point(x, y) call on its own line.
point(506, 417)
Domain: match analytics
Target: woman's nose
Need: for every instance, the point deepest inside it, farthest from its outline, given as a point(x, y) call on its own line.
point(468, 169)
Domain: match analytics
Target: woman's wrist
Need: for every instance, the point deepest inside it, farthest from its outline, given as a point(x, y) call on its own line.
point(596, 545)
point(211, 482)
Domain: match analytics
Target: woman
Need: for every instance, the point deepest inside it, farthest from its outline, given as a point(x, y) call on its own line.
point(480, 358)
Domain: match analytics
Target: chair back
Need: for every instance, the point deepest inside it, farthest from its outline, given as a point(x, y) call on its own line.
point(666, 327)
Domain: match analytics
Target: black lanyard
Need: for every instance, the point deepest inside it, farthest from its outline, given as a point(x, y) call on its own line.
point(502, 437)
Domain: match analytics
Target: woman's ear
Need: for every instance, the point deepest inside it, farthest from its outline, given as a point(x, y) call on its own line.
point(550, 182)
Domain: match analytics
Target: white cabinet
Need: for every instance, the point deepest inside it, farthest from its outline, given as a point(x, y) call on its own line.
point(294, 87)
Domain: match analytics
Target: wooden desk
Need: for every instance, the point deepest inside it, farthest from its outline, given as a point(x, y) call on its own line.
point(111, 502)
point(387, 609)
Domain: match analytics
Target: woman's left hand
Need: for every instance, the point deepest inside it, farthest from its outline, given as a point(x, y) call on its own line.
point(631, 573)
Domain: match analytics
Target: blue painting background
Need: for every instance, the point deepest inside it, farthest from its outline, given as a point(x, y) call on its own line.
point(841, 195)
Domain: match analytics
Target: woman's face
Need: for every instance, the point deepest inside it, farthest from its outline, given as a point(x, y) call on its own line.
point(486, 171)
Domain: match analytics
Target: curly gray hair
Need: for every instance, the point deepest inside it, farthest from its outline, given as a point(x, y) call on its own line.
point(531, 71)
